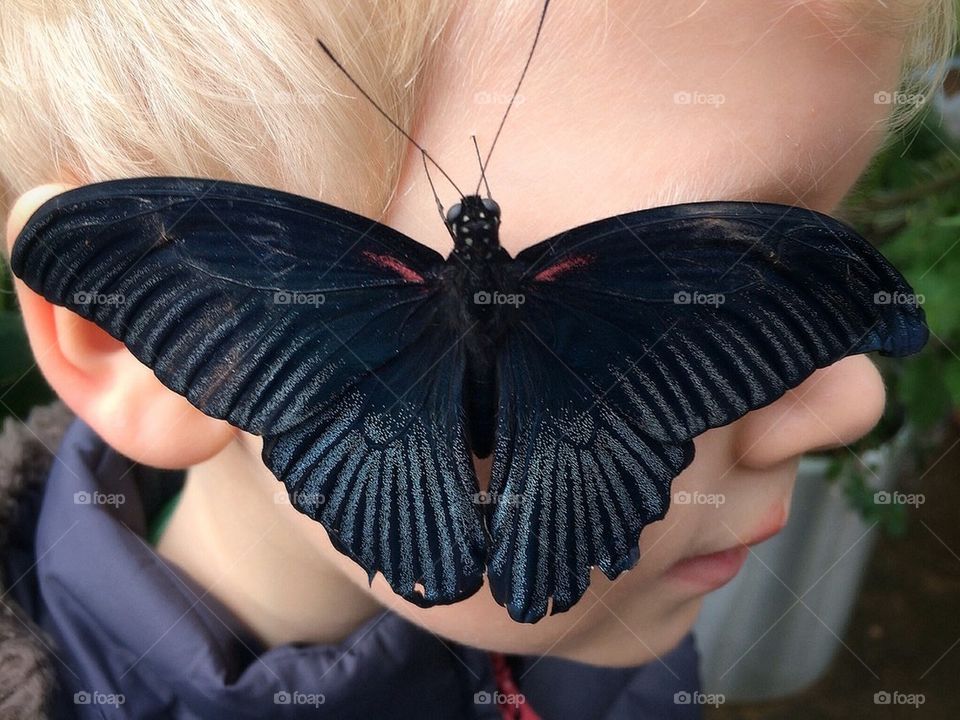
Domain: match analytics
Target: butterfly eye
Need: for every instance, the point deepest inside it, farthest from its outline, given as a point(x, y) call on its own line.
point(491, 206)
point(453, 213)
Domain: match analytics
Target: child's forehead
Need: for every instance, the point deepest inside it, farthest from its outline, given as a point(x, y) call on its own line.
point(662, 107)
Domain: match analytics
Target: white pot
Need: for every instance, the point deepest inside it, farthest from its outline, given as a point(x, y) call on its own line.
point(776, 627)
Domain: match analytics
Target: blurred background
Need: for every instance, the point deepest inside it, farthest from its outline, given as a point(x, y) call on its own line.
point(854, 609)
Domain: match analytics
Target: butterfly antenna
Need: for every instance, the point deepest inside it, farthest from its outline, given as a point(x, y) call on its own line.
point(536, 38)
point(385, 115)
point(483, 175)
point(436, 197)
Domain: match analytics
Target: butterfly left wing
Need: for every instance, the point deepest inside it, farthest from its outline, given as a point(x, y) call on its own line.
point(292, 319)
point(572, 483)
point(637, 333)
point(386, 470)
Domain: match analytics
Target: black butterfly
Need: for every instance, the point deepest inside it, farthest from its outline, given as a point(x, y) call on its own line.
point(373, 367)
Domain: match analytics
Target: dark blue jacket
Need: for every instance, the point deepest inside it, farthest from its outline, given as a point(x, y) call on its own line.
point(128, 635)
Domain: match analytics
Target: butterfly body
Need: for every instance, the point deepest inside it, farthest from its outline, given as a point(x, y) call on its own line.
point(478, 281)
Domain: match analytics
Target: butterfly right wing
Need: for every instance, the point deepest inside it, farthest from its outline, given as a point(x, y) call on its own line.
point(298, 321)
point(636, 334)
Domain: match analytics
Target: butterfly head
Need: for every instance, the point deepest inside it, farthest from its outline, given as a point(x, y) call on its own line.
point(474, 223)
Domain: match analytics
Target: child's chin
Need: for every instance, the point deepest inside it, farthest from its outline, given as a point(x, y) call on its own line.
point(590, 632)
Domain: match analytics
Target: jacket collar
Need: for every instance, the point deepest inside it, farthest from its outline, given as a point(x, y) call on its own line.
point(91, 600)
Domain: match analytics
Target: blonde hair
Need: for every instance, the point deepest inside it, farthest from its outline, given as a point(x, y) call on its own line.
point(99, 89)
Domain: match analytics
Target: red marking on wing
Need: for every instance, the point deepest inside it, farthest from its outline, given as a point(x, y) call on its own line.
point(391, 263)
point(565, 265)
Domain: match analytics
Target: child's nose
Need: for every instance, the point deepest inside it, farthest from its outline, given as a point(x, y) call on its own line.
point(833, 407)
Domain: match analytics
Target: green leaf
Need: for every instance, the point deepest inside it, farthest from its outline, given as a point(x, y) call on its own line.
point(922, 387)
point(951, 378)
point(8, 300)
point(15, 355)
point(31, 390)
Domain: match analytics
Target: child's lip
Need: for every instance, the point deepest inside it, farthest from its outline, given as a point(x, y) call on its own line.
point(710, 571)
point(715, 569)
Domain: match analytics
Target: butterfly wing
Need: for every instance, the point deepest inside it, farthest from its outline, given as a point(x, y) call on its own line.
point(573, 482)
point(298, 321)
point(636, 334)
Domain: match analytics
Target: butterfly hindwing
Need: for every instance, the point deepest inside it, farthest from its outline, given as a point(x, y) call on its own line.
point(641, 331)
point(383, 469)
point(298, 321)
point(573, 482)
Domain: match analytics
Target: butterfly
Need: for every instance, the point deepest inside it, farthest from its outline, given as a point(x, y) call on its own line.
point(374, 368)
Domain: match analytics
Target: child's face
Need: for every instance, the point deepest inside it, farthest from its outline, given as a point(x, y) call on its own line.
point(737, 102)
point(701, 101)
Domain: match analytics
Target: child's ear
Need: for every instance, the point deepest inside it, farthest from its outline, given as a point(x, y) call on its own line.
point(103, 383)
